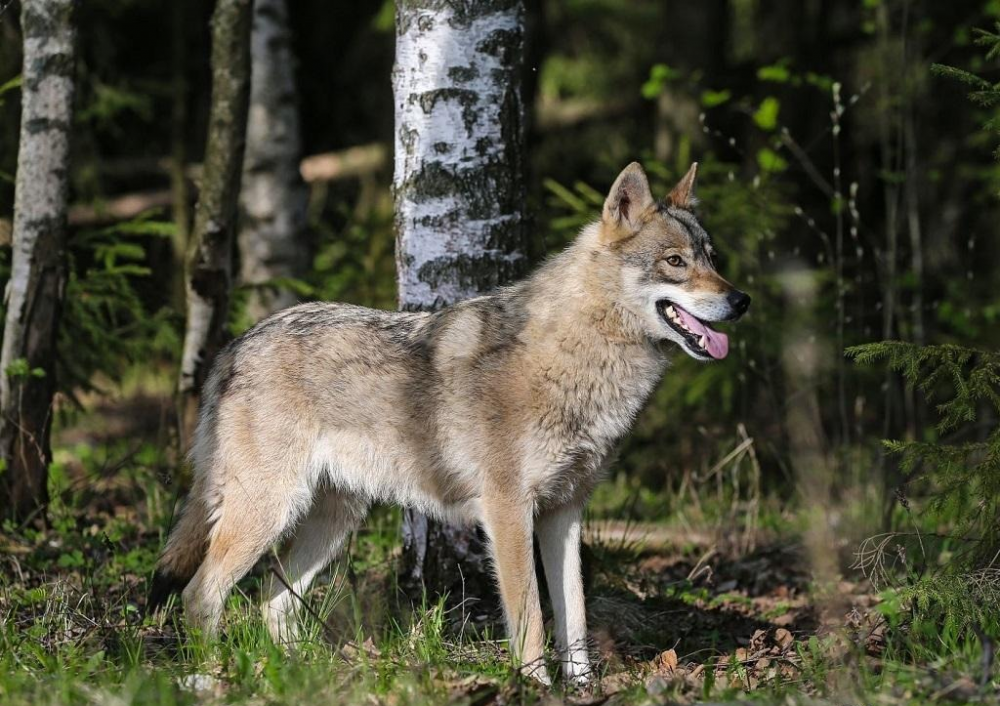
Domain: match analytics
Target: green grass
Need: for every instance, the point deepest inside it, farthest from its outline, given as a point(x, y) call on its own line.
point(684, 605)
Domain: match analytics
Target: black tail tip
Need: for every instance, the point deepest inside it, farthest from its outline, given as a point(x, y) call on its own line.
point(161, 588)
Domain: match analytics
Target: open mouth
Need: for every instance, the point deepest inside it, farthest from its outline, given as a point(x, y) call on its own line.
point(699, 338)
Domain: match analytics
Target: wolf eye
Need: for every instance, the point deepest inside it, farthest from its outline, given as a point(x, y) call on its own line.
point(675, 261)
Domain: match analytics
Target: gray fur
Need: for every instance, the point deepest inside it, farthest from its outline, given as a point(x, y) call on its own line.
point(501, 410)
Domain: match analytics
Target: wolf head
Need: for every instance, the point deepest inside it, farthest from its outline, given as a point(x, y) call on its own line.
point(668, 279)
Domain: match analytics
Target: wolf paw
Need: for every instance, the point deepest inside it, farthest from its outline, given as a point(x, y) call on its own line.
point(577, 674)
point(538, 672)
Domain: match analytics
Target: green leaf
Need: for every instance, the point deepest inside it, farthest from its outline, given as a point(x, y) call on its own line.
point(711, 99)
point(385, 18)
point(659, 76)
point(770, 161)
point(565, 196)
point(766, 116)
point(776, 73)
point(10, 85)
point(19, 368)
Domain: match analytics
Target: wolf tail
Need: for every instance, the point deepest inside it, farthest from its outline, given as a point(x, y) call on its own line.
point(183, 554)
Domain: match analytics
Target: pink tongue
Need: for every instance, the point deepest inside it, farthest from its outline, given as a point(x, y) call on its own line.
point(717, 344)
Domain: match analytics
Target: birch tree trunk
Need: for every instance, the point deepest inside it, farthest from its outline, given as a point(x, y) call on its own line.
point(273, 197)
point(459, 192)
point(38, 268)
point(209, 258)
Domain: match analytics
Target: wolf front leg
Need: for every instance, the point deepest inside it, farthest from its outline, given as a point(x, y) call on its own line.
point(559, 540)
point(508, 523)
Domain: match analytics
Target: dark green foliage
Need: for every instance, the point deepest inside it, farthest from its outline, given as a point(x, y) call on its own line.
point(951, 583)
point(959, 466)
point(983, 93)
point(961, 478)
point(354, 261)
point(106, 326)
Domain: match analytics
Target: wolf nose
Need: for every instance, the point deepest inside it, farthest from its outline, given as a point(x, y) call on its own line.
point(740, 301)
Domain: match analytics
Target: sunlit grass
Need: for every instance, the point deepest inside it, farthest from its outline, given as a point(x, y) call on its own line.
point(666, 577)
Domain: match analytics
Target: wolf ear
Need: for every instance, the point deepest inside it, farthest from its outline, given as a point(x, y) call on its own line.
point(682, 195)
point(627, 201)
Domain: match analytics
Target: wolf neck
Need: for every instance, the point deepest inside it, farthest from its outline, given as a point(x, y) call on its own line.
point(579, 321)
point(583, 352)
point(583, 285)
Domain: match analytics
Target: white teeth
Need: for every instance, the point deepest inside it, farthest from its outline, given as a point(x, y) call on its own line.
point(703, 342)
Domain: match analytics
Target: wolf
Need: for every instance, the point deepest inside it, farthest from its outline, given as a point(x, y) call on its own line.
point(500, 410)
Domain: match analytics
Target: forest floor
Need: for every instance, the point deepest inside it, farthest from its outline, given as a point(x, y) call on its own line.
point(677, 613)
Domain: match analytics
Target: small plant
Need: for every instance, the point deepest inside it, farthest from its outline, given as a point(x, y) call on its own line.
point(961, 478)
point(105, 325)
point(959, 465)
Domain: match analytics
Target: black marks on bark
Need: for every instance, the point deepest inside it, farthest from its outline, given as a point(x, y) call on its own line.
point(463, 12)
point(503, 44)
point(467, 99)
point(463, 74)
point(484, 272)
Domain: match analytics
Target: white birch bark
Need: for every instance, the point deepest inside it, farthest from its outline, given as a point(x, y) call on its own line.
point(459, 191)
point(458, 172)
point(37, 280)
point(273, 196)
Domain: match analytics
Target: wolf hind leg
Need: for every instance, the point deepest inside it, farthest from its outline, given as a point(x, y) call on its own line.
point(253, 516)
point(318, 539)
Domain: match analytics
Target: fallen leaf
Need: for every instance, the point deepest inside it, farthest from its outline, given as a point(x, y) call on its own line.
point(784, 620)
point(667, 661)
point(783, 638)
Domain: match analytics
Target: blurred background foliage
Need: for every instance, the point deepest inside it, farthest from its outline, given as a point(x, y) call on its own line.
point(849, 188)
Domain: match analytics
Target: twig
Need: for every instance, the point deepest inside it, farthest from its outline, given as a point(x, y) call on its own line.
point(309, 609)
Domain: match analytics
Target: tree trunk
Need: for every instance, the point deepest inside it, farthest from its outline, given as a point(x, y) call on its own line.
point(38, 269)
point(178, 152)
point(459, 189)
point(274, 197)
point(209, 258)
